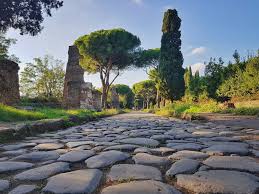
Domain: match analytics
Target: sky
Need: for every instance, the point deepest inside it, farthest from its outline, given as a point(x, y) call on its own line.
point(209, 29)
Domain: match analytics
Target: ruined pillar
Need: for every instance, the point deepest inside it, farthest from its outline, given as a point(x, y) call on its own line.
point(74, 79)
point(115, 103)
point(9, 82)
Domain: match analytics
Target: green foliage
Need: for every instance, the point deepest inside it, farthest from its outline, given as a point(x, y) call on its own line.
point(106, 52)
point(252, 111)
point(126, 95)
point(242, 83)
point(25, 15)
point(214, 76)
point(145, 92)
point(5, 44)
point(171, 58)
point(43, 79)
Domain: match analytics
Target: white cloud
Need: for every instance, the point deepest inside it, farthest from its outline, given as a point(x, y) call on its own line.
point(198, 51)
point(198, 67)
point(139, 2)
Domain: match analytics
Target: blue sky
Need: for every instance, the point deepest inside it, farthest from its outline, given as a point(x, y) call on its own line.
point(209, 29)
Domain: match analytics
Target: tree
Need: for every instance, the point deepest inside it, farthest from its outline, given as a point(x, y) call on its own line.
point(43, 79)
point(126, 95)
point(244, 82)
point(146, 90)
point(106, 52)
point(5, 43)
point(236, 56)
point(214, 76)
point(171, 58)
point(25, 15)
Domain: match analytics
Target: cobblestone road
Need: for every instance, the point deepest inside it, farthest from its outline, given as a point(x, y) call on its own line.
point(134, 153)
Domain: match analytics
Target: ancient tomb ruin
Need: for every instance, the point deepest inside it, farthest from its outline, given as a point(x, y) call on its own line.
point(77, 92)
point(9, 82)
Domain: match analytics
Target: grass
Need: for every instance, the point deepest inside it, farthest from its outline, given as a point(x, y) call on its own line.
point(11, 114)
point(184, 110)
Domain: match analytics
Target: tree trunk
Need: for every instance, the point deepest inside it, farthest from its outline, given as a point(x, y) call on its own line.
point(104, 97)
point(158, 98)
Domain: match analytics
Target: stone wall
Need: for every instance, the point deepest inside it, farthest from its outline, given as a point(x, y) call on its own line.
point(77, 92)
point(9, 82)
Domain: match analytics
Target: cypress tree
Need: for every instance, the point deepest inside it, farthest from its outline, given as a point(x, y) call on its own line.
point(171, 58)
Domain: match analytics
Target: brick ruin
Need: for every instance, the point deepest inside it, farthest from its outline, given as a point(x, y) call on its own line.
point(9, 82)
point(77, 92)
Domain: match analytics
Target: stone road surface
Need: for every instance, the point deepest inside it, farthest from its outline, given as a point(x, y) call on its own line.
point(134, 153)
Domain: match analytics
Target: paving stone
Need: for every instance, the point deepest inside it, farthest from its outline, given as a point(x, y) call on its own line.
point(79, 143)
point(106, 159)
point(162, 151)
point(13, 166)
point(15, 152)
point(4, 185)
point(79, 181)
point(186, 146)
point(147, 159)
point(142, 150)
point(141, 187)
point(17, 146)
point(76, 156)
point(188, 154)
point(140, 141)
point(38, 156)
point(125, 147)
point(48, 146)
point(23, 189)
point(219, 181)
point(233, 162)
point(43, 172)
point(184, 166)
point(226, 149)
point(133, 172)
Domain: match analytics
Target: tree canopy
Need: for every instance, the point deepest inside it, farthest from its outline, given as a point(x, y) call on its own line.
point(145, 91)
point(106, 52)
point(26, 16)
point(126, 95)
point(5, 43)
point(171, 58)
point(43, 79)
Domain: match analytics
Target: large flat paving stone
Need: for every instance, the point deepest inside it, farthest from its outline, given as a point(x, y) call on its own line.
point(23, 189)
point(233, 162)
point(186, 146)
point(79, 181)
point(147, 159)
point(38, 156)
point(188, 154)
point(227, 149)
point(106, 159)
point(124, 147)
point(17, 146)
point(219, 181)
point(13, 166)
point(76, 156)
point(78, 143)
point(140, 141)
point(4, 184)
point(141, 187)
point(133, 172)
point(184, 166)
point(48, 146)
point(43, 172)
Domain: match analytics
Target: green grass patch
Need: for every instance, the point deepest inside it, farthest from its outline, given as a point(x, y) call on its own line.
point(182, 109)
point(242, 111)
point(11, 114)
